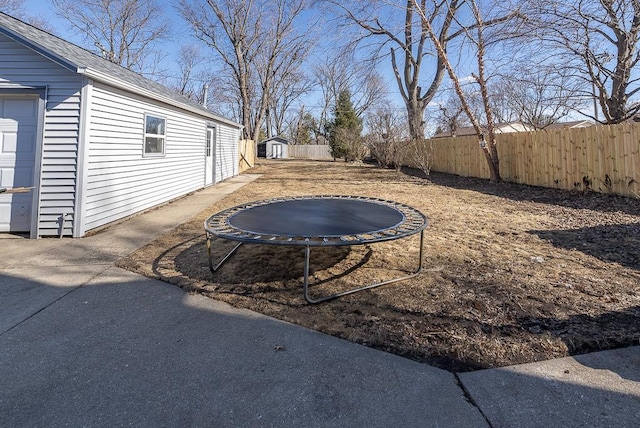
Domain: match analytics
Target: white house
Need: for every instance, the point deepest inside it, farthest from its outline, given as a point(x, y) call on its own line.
point(500, 128)
point(96, 142)
point(569, 125)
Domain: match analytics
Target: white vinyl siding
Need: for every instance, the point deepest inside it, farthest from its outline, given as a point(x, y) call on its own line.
point(275, 149)
point(226, 156)
point(23, 67)
point(90, 167)
point(121, 181)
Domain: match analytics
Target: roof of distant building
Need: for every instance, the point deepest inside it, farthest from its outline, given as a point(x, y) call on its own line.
point(278, 139)
point(571, 124)
point(502, 127)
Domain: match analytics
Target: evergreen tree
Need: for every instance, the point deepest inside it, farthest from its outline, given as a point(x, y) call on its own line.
point(344, 132)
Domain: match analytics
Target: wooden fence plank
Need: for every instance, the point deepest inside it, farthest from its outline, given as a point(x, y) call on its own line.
point(604, 158)
point(310, 151)
point(247, 155)
point(632, 165)
point(592, 167)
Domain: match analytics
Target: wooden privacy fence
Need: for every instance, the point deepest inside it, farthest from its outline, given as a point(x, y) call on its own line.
point(603, 158)
point(246, 155)
point(310, 151)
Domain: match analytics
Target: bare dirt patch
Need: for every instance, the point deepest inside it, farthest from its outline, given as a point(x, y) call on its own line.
point(512, 273)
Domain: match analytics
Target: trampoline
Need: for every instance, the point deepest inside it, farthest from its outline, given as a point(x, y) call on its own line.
point(317, 221)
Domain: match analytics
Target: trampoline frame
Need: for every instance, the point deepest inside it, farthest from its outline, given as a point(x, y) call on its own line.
point(413, 221)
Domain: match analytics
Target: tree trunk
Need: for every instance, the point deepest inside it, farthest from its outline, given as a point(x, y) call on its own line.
point(494, 162)
point(415, 118)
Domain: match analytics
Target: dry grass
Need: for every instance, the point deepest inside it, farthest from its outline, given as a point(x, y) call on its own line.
point(513, 274)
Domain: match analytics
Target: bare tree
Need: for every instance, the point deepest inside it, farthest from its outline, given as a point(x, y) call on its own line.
point(282, 81)
point(408, 38)
point(194, 77)
point(258, 43)
point(309, 125)
point(287, 90)
point(232, 30)
point(302, 128)
point(409, 44)
point(16, 8)
point(475, 34)
point(388, 136)
point(598, 42)
point(126, 32)
point(537, 97)
point(342, 72)
point(223, 92)
point(13, 7)
point(451, 115)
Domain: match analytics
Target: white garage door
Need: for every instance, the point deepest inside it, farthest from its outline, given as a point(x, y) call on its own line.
point(18, 133)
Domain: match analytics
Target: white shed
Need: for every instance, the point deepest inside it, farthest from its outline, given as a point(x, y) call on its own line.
point(274, 148)
point(96, 142)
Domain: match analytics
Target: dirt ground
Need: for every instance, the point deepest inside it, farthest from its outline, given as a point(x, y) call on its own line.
point(512, 273)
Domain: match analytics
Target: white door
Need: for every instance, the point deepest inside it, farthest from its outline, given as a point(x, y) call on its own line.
point(277, 151)
point(18, 133)
point(210, 150)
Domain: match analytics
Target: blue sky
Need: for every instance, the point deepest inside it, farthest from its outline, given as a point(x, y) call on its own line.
point(44, 10)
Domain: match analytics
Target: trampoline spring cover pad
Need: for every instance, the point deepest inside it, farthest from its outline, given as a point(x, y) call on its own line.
point(317, 220)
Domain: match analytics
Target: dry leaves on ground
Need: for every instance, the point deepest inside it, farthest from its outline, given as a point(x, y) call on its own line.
point(512, 274)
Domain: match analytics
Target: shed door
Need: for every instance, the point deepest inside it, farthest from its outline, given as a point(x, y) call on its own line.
point(18, 133)
point(210, 150)
point(277, 151)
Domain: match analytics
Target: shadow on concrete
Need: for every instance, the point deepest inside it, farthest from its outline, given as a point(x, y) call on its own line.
point(126, 350)
point(625, 363)
point(571, 392)
point(617, 243)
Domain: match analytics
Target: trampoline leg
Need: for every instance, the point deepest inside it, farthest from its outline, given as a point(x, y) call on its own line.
point(224, 259)
point(305, 286)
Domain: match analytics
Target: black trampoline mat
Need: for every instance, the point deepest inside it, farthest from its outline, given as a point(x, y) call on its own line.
point(317, 217)
point(317, 220)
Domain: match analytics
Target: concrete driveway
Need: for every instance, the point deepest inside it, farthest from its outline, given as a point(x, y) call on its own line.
point(83, 343)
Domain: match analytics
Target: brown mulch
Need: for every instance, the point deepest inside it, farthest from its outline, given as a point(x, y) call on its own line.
point(512, 273)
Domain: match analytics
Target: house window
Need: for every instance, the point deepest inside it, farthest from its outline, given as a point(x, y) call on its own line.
point(209, 141)
point(154, 135)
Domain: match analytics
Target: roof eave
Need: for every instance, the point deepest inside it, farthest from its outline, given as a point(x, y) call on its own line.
point(39, 49)
point(110, 80)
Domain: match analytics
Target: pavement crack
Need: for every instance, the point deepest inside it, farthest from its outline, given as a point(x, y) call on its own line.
point(470, 399)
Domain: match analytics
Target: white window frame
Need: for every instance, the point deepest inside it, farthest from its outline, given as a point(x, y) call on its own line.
point(211, 131)
point(162, 137)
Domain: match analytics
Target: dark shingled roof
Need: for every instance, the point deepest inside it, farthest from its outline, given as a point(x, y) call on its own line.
point(277, 138)
point(78, 60)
